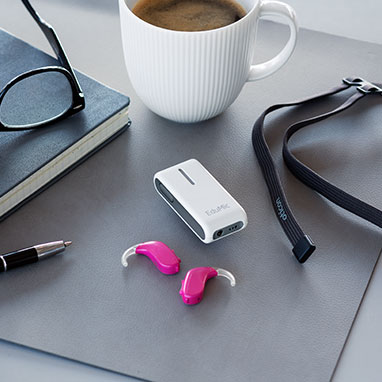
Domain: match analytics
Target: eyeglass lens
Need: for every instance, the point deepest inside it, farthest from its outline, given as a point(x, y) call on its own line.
point(36, 99)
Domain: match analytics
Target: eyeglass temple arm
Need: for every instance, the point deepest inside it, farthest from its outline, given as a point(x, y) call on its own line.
point(52, 37)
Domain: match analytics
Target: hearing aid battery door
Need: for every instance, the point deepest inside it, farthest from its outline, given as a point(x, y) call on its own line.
point(200, 201)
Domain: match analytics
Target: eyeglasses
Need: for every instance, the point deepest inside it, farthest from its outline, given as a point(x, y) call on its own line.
point(44, 95)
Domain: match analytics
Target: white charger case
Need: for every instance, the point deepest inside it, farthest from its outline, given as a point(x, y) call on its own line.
point(200, 201)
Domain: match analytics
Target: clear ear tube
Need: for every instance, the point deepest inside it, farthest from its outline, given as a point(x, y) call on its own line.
point(129, 252)
point(228, 275)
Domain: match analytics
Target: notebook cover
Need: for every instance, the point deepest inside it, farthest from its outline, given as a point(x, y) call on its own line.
point(23, 153)
point(282, 321)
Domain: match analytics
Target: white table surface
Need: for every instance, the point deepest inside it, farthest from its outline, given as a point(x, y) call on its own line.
point(361, 357)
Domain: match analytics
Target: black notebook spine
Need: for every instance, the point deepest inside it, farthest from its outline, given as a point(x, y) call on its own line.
point(66, 171)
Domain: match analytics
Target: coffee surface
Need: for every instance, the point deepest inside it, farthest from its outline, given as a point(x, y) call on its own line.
point(189, 15)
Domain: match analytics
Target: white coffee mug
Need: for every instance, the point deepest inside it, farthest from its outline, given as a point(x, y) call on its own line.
point(194, 76)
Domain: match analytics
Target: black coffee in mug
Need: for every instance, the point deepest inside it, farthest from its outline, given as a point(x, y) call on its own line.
point(189, 15)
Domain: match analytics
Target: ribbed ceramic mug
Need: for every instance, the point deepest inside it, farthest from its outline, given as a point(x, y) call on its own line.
point(194, 76)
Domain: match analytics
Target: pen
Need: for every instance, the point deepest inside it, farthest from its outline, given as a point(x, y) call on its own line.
point(31, 255)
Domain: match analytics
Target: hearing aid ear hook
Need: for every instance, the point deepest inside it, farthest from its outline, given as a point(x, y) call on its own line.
point(129, 252)
point(159, 253)
point(194, 283)
point(227, 274)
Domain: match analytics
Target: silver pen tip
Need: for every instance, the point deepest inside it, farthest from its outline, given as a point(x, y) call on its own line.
point(67, 243)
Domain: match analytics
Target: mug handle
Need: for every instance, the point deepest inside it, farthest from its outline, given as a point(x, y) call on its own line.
point(276, 8)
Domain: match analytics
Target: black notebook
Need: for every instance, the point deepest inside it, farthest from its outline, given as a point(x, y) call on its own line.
point(32, 160)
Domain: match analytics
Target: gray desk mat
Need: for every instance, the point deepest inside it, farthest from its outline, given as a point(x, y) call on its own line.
point(282, 321)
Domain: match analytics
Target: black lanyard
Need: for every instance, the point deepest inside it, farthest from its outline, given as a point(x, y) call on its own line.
point(303, 245)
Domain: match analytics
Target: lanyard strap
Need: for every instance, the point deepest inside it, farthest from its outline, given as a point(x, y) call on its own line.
point(303, 245)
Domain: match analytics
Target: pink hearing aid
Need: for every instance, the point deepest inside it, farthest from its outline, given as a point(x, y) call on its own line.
point(159, 253)
point(193, 284)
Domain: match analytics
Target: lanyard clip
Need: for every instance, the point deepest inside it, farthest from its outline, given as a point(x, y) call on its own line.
point(362, 85)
